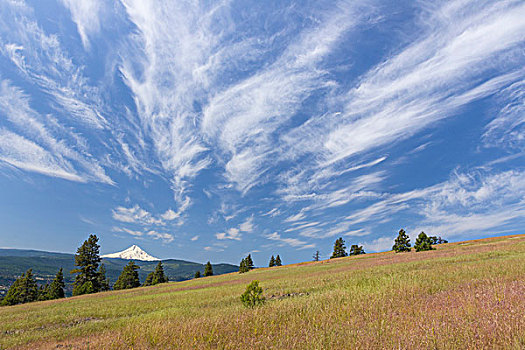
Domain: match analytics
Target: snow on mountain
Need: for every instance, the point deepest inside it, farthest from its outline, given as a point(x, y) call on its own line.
point(132, 253)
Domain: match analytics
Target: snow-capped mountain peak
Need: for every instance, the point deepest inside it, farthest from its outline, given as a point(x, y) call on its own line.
point(132, 253)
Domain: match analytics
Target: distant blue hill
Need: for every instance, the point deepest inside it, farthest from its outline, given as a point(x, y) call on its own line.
point(14, 262)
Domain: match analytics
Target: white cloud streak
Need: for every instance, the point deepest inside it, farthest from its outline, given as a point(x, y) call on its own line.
point(86, 15)
point(47, 147)
point(139, 216)
point(235, 233)
point(244, 118)
point(293, 242)
point(427, 81)
point(40, 58)
point(165, 237)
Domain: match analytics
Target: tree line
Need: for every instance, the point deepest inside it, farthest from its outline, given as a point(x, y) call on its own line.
point(91, 273)
point(90, 278)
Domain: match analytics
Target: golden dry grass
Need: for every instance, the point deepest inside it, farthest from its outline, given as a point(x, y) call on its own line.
point(467, 295)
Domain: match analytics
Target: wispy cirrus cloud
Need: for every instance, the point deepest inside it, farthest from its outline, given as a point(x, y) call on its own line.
point(457, 60)
point(86, 14)
point(137, 215)
point(468, 203)
point(167, 66)
point(293, 242)
point(41, 59)
point(244, 118)
point(508, 128)
point(235, 233)
point(165, 237)
point(24, 154)
point(46, 147)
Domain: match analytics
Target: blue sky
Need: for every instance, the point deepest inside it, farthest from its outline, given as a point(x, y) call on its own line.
point(205, 130)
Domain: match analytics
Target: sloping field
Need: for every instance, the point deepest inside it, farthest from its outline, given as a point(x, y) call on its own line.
point(468, 295)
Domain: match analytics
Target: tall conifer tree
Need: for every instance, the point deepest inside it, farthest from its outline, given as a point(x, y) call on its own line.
point(339, 249)
point(423, 242)
point(87, 259)
point(103, 281)
point(23, 290)
point(356, 250)
point(129, 278)
point(208, 269)
point(272, 262)
point(56, 288)
point(402, 242)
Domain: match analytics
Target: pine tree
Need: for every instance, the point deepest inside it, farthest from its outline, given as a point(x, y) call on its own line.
point(12, 296)
point(208, 270)
point(129, 278)
point(149, 279)
point(253, 296)
point(56, 288)
point(272, 262)
point(423, 243)
point(103, 281)
point(197, 274)
point(316, 256)
point(356, 250)
point(243, 267)
point(86, 288)
point(158, 274)
point(87, 259)
point(29, 288)
point(339, 249)
point(23, 290)
point(278, 261)
point(43, 292)
point(249, 262)
point(402, 242)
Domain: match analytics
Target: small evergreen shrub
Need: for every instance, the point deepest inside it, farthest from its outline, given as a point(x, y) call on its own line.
point(253, 297)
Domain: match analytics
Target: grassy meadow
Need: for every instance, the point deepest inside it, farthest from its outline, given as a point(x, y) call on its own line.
point(468, 295)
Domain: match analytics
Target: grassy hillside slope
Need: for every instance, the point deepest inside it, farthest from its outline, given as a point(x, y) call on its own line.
point(462, 296)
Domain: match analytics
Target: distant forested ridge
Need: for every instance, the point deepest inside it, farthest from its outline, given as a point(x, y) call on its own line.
point(14, 262)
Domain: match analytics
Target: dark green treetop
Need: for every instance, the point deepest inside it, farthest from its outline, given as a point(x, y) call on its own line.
point(208, 269)
point(23, 290)
point(56, 288)
point(356, 250)
point(423, 242)
point(402, 242)
point(87, 259)
point(249, 262)
point(157, 276)
point(103, 281)
point(129, 278)
point(278, 261)
point(272, 262)
point(339, 249)
point(243, 267)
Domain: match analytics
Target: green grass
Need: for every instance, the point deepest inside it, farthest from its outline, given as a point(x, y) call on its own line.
point(456, 297)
